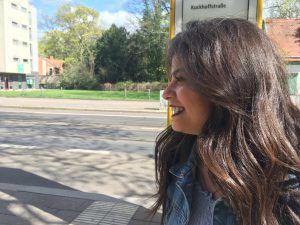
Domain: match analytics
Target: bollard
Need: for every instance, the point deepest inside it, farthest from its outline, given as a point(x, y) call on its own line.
point(149, 94)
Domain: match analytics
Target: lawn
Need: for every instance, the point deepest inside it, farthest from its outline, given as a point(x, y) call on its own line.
point(83, 94)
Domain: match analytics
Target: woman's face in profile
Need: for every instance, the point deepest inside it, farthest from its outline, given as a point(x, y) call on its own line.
point(190, 111)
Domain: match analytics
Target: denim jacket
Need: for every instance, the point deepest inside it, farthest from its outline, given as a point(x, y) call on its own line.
point(179, 197)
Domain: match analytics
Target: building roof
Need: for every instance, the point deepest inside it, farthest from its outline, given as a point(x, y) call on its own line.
point(286, 34)
point(53, 62)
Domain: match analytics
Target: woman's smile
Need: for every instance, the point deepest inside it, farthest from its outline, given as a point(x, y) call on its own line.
point(176, 110)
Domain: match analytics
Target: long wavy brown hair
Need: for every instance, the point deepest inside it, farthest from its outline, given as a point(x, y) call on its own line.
point(250, 142)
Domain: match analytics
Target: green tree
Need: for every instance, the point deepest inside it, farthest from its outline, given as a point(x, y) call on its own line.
point(136, 66)
point(283, 9)
point(73, 35)
point(52, 44)
point(150, 40)
point(112, 55)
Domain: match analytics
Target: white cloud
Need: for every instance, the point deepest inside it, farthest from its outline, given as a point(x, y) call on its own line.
point(120, 18)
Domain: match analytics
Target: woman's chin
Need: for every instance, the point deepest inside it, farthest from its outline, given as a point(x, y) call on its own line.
point(181, 129)
point(177, 128)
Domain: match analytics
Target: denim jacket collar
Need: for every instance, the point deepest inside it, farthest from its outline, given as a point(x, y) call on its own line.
point(180, 191)
point(183, 169)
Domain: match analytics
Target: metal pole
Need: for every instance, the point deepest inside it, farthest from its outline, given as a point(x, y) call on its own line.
point(171, 36)
point(259, 13)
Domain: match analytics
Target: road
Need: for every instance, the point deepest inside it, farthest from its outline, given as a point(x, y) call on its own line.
point(71, 130)
point(100, 152)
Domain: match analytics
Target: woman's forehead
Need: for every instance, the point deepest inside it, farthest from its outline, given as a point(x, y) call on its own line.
point(176, 62)
point(177, 66)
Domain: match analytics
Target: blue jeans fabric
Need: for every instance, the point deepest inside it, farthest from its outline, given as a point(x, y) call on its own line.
point(179, 197)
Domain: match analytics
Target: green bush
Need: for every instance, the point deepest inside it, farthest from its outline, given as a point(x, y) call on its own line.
point(76, 77)
point(131, 86)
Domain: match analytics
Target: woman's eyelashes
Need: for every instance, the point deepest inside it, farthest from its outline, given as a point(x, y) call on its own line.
point(178, 78)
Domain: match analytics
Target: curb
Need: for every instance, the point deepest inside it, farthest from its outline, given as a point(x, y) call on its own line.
point(156, 111)
point(146, 202)
point(57, 192)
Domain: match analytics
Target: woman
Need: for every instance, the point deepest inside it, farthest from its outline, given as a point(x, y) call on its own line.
point(231, 155)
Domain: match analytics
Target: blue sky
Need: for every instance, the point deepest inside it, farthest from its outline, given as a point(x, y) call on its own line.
point(111, 11)
point(100, 5)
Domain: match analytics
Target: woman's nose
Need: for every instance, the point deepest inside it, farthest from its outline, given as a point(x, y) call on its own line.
point(168, 92)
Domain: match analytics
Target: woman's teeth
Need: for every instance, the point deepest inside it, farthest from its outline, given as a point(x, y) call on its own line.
point(177, 110)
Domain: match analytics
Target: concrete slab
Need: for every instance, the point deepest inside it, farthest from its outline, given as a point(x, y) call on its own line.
point(108, 213)
point(43, 206)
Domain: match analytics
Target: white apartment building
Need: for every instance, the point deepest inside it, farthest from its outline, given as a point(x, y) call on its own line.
point(18, 45)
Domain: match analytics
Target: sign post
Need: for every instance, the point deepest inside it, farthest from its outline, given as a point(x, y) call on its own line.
point(183, 11)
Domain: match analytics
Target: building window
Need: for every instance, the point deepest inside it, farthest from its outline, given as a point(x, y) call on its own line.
point(15, 24)
point(16, 42)
point(25, 60)
point(24, 26)
point(23, 9)
point(25, 43)
point(56, 70)
point(14, 6)
point(16, 59)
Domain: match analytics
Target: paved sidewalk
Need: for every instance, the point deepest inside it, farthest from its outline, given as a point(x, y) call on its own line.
point(37, 205)
point(30, 205)
point(29, 196)
point(76, 104)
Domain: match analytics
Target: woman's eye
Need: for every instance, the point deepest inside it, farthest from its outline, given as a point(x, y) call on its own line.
point(178, 78)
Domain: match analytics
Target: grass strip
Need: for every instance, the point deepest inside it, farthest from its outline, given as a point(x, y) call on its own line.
point(83, 94)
